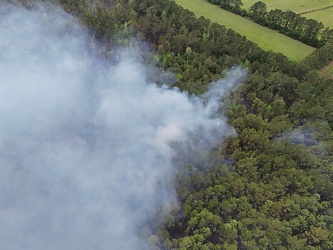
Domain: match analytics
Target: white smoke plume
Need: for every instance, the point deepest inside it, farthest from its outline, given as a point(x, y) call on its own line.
point(85, 149)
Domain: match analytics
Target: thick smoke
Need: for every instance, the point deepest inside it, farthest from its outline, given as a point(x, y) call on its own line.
point(85, 149)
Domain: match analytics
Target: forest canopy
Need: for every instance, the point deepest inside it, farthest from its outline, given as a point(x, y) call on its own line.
point(271, 183)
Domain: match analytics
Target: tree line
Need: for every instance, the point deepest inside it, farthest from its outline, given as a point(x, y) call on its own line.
point(308, 31)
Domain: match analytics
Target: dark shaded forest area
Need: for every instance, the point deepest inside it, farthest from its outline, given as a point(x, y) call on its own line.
point(272, 187)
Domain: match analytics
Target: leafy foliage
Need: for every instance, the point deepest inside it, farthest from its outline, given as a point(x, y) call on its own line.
point(272, 185)
point(308, 31)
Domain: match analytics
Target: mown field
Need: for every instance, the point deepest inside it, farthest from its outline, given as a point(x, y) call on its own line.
point(266, 38)
point(324, 16)
point(300, 6)
point(297, 6)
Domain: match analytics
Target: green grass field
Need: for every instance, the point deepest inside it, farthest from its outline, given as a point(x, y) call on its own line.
point(266, 38)
point(324, 16)
point(328, 70)
point(299, 6)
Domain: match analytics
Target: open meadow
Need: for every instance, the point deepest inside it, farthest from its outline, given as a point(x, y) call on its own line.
point(266, 38)
point(325, 16)
point(300, 6)
point(297, 6)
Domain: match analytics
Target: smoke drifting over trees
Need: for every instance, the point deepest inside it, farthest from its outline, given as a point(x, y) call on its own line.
point(85, 149)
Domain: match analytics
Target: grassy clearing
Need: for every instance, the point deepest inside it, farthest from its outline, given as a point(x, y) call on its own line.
point(266, 38)
point(296, 6)
point(324, 16)
point(300, 6)
point(327, 70)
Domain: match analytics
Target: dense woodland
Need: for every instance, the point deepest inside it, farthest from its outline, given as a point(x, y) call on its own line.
point(308, 31)
point(272, 186)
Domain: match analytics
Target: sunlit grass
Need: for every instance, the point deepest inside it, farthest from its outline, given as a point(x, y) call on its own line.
point(266, 38)
point(328, 71)
point(300, 6)
point(296, 6)
point(324, 16)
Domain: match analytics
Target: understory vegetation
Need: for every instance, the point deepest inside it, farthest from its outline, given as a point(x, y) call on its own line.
point(271, 186)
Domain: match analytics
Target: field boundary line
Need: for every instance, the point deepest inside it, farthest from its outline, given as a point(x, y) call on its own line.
point(311, 11)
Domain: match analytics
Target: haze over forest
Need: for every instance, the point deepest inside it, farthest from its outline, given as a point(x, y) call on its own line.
point(135, 125)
